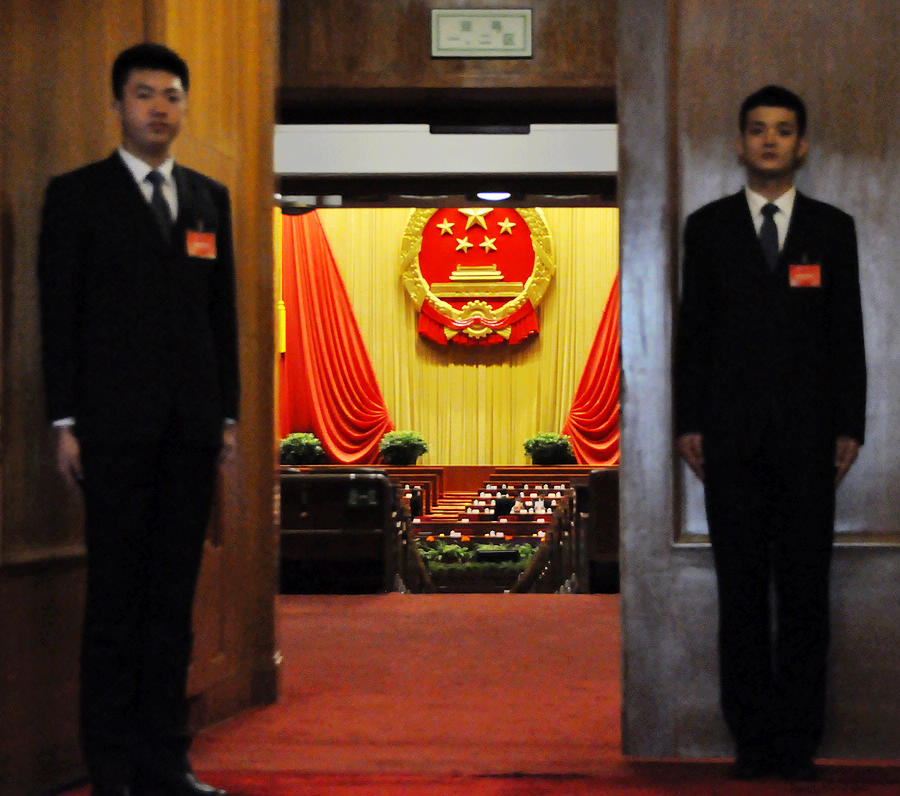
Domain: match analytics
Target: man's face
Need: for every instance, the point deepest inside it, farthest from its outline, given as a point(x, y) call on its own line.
point(771, 145)
point(151, 111)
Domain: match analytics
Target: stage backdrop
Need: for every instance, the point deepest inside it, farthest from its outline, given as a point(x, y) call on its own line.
point(478, 405)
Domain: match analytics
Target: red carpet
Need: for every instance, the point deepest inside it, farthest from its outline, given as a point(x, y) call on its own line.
point(458, 694)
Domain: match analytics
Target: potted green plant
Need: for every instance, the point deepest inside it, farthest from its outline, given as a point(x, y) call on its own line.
point(460, 566)
point(402, 447)
point(548, 447)
point(301, 448)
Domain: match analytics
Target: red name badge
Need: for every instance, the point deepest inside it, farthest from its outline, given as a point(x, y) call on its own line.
point(806, 275)
point(201, 244)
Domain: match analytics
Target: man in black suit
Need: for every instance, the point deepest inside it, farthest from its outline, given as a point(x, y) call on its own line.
point(139, 324)
point(770, 383)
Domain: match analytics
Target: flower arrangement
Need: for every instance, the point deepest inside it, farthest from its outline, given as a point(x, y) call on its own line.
point(402, 447)
point(548, 447)
point(301, 448)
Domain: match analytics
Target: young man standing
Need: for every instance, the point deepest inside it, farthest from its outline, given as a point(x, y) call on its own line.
point(141, 374)
point(770, 384)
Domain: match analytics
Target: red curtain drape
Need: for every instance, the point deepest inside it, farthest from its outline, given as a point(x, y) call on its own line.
point(328, 385)
point(593, 420)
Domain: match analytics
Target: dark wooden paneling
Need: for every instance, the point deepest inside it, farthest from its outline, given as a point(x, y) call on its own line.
point(67, 126)
point(355, 60)
point(55, 115)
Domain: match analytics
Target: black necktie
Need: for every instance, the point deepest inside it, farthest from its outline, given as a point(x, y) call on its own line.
point(768, 235)
point(160, 206)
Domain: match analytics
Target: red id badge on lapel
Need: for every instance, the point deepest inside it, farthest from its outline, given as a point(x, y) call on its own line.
point(805, 275)
point(201, 244)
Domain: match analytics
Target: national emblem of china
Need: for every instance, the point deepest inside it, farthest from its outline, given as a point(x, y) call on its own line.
point(477, 274)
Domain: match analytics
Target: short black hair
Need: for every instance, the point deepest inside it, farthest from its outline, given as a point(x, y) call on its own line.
point(774, 97)
point(146, 55)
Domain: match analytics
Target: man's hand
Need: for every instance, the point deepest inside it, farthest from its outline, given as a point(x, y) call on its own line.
point(846, 449)
point(68, 456)
point(229, 443)
point(690, 448)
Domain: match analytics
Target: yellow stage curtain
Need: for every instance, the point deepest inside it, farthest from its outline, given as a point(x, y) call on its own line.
point(476, 405)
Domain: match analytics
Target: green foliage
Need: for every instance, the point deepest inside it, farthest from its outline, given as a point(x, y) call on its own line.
point(512, 568)
point(451, 556)
point(301, 448)
point(402, 447)
point(548, 447)
point(445, 552)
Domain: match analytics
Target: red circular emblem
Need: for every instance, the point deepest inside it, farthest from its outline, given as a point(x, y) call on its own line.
point(477, 274)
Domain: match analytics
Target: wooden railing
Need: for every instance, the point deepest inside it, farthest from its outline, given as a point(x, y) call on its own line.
point(581, 536)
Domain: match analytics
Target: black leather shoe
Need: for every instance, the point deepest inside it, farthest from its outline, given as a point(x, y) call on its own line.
point(185, 784)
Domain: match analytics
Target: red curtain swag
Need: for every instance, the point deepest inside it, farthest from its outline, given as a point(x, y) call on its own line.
point(328, 384)
point(521, 324)
point(593, 421)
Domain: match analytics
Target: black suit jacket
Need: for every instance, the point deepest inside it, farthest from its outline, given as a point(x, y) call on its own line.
point(753, 351)
point(138, 336)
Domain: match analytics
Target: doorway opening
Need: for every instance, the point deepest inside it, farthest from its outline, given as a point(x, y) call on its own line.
point(474, 405)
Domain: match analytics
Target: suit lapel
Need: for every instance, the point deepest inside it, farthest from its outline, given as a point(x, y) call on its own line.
point(194, 210)
point(127, 201)
point(185, 197)
point(743, 233)
point(799, 244)
point(124, 193)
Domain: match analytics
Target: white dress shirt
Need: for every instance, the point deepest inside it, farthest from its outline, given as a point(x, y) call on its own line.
point(785, 205)
point(139, 170)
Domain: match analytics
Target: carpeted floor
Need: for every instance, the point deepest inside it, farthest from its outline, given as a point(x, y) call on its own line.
point(424, 684)
point(458, 695)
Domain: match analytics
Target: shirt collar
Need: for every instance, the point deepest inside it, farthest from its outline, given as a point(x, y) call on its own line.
point(785, 202)
point(140, 170)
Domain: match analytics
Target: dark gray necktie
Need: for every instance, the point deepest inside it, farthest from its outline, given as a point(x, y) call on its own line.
point(768, 235)
point(160, 206)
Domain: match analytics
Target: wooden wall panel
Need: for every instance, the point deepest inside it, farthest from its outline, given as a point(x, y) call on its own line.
point(685, 67)
point(361, 44)
point(851, 87)
point(231, 47)
point(69, 124)
point(55, 115)
point(359, 52)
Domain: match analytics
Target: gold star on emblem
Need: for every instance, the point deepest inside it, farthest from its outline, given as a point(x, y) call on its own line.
point(464, 244)
point(475, 216)
point(446, 227)
point(488, 244)
point(506, 226)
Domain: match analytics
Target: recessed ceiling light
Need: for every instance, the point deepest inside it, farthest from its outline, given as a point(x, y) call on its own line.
point(493, 196)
